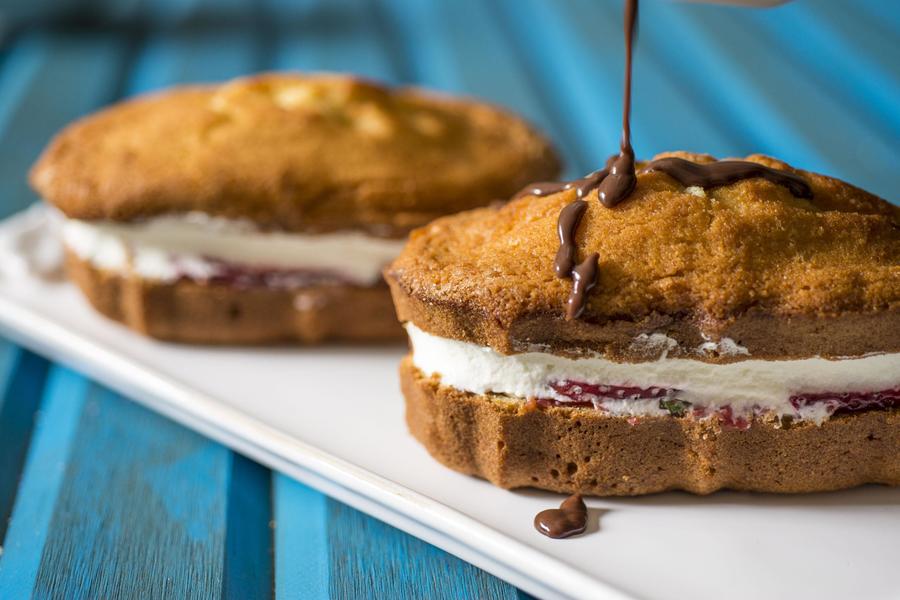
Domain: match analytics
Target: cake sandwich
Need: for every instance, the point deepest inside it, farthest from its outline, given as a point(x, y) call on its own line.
point(264, 209)
point(717, 324)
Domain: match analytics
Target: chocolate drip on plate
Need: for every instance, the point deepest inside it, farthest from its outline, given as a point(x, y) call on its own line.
point(567, 520)
point(724, 172)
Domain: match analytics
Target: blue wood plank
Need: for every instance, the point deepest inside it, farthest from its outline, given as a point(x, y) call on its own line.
point(183, 57)
point(872, 25)
point(51, 80)
point(8, 354)
point(19, 400)
point(330, 36)
point(179, 13)
point(301, 541)
point(864, 76)
point(167, 12)
point(44, 472)
point(789, 114)
point(191, 57)
point(369, 559)
point(141, 509)
point(483, 63)
point(666, 114)
point(248, 571)
point(882, 16)
point(587, 124)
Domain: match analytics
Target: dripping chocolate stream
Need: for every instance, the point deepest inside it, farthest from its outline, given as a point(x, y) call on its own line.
point(617, 179)
point(615, 182)
point(620, 181)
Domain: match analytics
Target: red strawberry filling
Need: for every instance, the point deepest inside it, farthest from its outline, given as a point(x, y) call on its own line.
point(245, 276)
point(584, 395)
point(594, 395)
point(847, 402)
point(579, 391)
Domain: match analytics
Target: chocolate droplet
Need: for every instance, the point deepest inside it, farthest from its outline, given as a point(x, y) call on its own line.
point(567, 520)
point(584, 277)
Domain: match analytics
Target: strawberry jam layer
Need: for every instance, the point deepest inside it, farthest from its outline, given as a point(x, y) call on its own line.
point(599, 396)
point(239, 276)
point(588, 391)
point(590, 395)
point(849, 402)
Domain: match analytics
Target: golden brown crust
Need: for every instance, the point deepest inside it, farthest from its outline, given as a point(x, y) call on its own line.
point(187, 311)
point(297, 152)
point(582, 450)
point(784, 277)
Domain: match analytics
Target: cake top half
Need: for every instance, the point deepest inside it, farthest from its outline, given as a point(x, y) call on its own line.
point(295, 152)
point(777, 275)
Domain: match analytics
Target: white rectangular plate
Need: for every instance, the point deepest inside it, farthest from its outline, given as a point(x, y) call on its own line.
point(333, 418)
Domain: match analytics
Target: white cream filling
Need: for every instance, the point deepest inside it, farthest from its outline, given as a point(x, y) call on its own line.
point(168, 247)
point(747, 386)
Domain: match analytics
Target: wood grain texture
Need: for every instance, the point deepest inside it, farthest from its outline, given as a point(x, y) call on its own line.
point(436, 56)
point(301, 541)
point(369, 559)
point(778, 104)
point(47, 458)
point(666, 114)
point(21, 386)
point(141, 510)
point(249, 553)
point(859, 49)
point(48, 80)
point(341, 35)
point(213, 54)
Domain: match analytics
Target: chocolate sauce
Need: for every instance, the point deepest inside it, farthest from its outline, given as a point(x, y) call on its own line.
point(569, 218)
point(724, 172)
point(584, 277)
point(582, 186)
point(621, 180)
point(567, 520)
point(615, 182)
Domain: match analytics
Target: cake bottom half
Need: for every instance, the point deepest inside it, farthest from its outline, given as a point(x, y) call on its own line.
point(517, 444)
point(194, 312)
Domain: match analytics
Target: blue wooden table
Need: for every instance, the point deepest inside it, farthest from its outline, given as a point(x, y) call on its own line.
point(102, 498)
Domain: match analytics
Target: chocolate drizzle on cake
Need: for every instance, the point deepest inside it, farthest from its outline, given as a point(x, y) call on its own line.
point(567, 520)
point(569, 218)
point(617, 179)
point(614, 182)
point(724, 172)
point(584, 277)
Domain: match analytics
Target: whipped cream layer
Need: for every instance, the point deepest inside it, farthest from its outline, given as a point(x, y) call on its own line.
point(742, 388)
point(197, 246)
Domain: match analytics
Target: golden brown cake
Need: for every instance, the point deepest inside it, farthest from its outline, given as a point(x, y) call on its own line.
point(737, 337)
point(264, 209)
